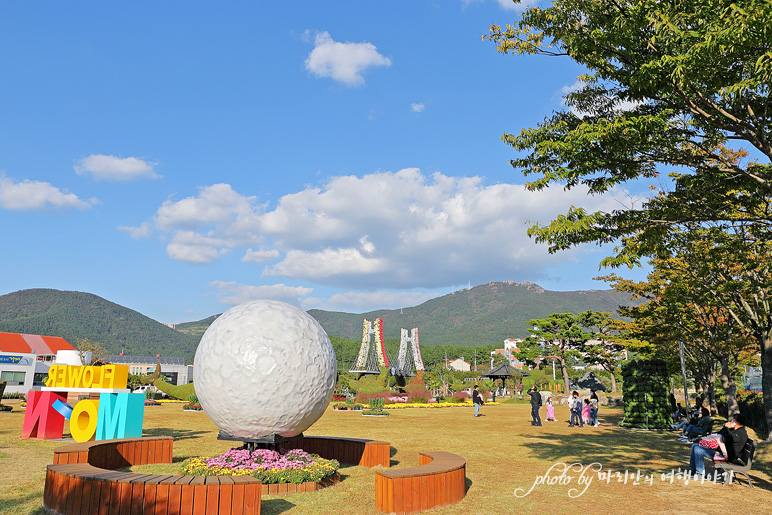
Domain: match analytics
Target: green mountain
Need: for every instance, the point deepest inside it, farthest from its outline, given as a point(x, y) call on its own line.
point(483, 315)
point(75, 315)
point(197, 328)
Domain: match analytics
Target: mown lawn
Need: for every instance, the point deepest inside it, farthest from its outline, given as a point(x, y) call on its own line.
point(503, 452)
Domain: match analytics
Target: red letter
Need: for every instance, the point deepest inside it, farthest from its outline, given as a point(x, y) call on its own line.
point(41, 420)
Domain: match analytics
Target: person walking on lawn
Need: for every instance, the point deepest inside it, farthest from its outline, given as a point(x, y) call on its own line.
point(535, 405)
point(477, 401)
point(575, 405)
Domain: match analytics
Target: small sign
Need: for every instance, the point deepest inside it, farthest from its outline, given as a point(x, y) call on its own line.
point(15, 360)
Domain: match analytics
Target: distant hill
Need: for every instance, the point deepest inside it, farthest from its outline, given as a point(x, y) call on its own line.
point(197, 328)
point(483, 315)
point(75, 315)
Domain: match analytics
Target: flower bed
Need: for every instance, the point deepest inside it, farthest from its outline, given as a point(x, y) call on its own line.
point(295, 466)
point(436, 405)
point(152, 402)
point(192, 407)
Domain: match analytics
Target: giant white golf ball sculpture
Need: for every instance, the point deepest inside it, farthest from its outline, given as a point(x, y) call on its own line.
point(264, 367)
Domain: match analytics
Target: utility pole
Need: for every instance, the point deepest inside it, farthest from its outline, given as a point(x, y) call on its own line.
point(683, 374)
point(475, 360)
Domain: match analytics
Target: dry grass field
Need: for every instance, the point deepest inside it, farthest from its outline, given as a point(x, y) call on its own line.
point(503, 452)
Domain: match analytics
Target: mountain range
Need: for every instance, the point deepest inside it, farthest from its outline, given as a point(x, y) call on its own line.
point(482, 315)
point(76, 315)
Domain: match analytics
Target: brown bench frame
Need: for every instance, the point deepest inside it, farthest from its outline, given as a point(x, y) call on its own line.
point(730, 469)
point(82, 478)
point(439, 479)
point(81, 482)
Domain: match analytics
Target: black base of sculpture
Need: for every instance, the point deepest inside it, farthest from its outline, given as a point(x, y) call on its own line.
point(272, 442)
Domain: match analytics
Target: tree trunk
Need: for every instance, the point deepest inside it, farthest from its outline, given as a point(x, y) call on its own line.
point(712, 398)
point(613, 383)
point(729, 386)
point(565, 374)
point(766, 382)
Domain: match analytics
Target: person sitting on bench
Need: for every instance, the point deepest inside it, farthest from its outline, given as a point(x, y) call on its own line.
point(702, 427)
point(734, 437)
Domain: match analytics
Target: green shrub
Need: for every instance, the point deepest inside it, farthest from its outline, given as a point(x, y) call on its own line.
point(752, 407)
point(646, 394)
point(180, 392)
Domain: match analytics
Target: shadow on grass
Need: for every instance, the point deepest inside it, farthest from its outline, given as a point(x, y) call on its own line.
point(177, 434)
point(627, 449)
point(16, 501)
point(467, 484)
point(275, 506)
point(631, 450)
point(392, 453)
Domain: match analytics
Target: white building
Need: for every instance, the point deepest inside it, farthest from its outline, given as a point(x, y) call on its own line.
point(458, 364)
point(26, 358)
point(174, 370)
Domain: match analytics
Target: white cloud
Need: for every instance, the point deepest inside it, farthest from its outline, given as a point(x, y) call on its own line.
point(37, 195)
point(112, 168)
point(327, 262)
point(343, 62)
point(233, 293)
point(260, 256)
point(198, 249)
point(207, 226)
point(145, 230)
point(417, 108)
point(387, 230)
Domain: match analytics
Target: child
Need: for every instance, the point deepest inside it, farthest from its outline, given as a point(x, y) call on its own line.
point(550, 411)
point(715, 441)
point(586, 412)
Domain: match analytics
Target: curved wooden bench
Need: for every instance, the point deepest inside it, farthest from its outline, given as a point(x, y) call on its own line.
point(355, 451)
point(80, 483)
point(83, 481)
point(439, 479)
point(118, 453)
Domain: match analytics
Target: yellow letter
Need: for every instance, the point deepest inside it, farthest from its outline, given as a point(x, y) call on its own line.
point(83, 420)
point(121, 376)
point(88, 377)
point(74, 376)
point(52, 375)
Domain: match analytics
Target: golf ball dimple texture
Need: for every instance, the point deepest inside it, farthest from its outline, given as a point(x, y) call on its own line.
point(264, 367)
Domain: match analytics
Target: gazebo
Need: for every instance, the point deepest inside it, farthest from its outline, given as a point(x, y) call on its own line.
point(503, 372)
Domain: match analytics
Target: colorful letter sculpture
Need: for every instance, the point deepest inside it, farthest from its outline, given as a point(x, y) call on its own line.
point(41, 420)
point(117, 413)
point(120, 415)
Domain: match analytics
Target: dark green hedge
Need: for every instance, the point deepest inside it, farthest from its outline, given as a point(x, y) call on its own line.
point(646, 394)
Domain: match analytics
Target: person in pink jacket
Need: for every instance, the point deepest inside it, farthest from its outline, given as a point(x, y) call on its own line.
point(550, 411)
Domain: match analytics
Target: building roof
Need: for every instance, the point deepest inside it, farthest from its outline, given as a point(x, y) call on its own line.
point(504, 370)
point(149, 360)
point(33, 343)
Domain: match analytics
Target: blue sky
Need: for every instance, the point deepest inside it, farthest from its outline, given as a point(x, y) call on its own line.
point(182, 157)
